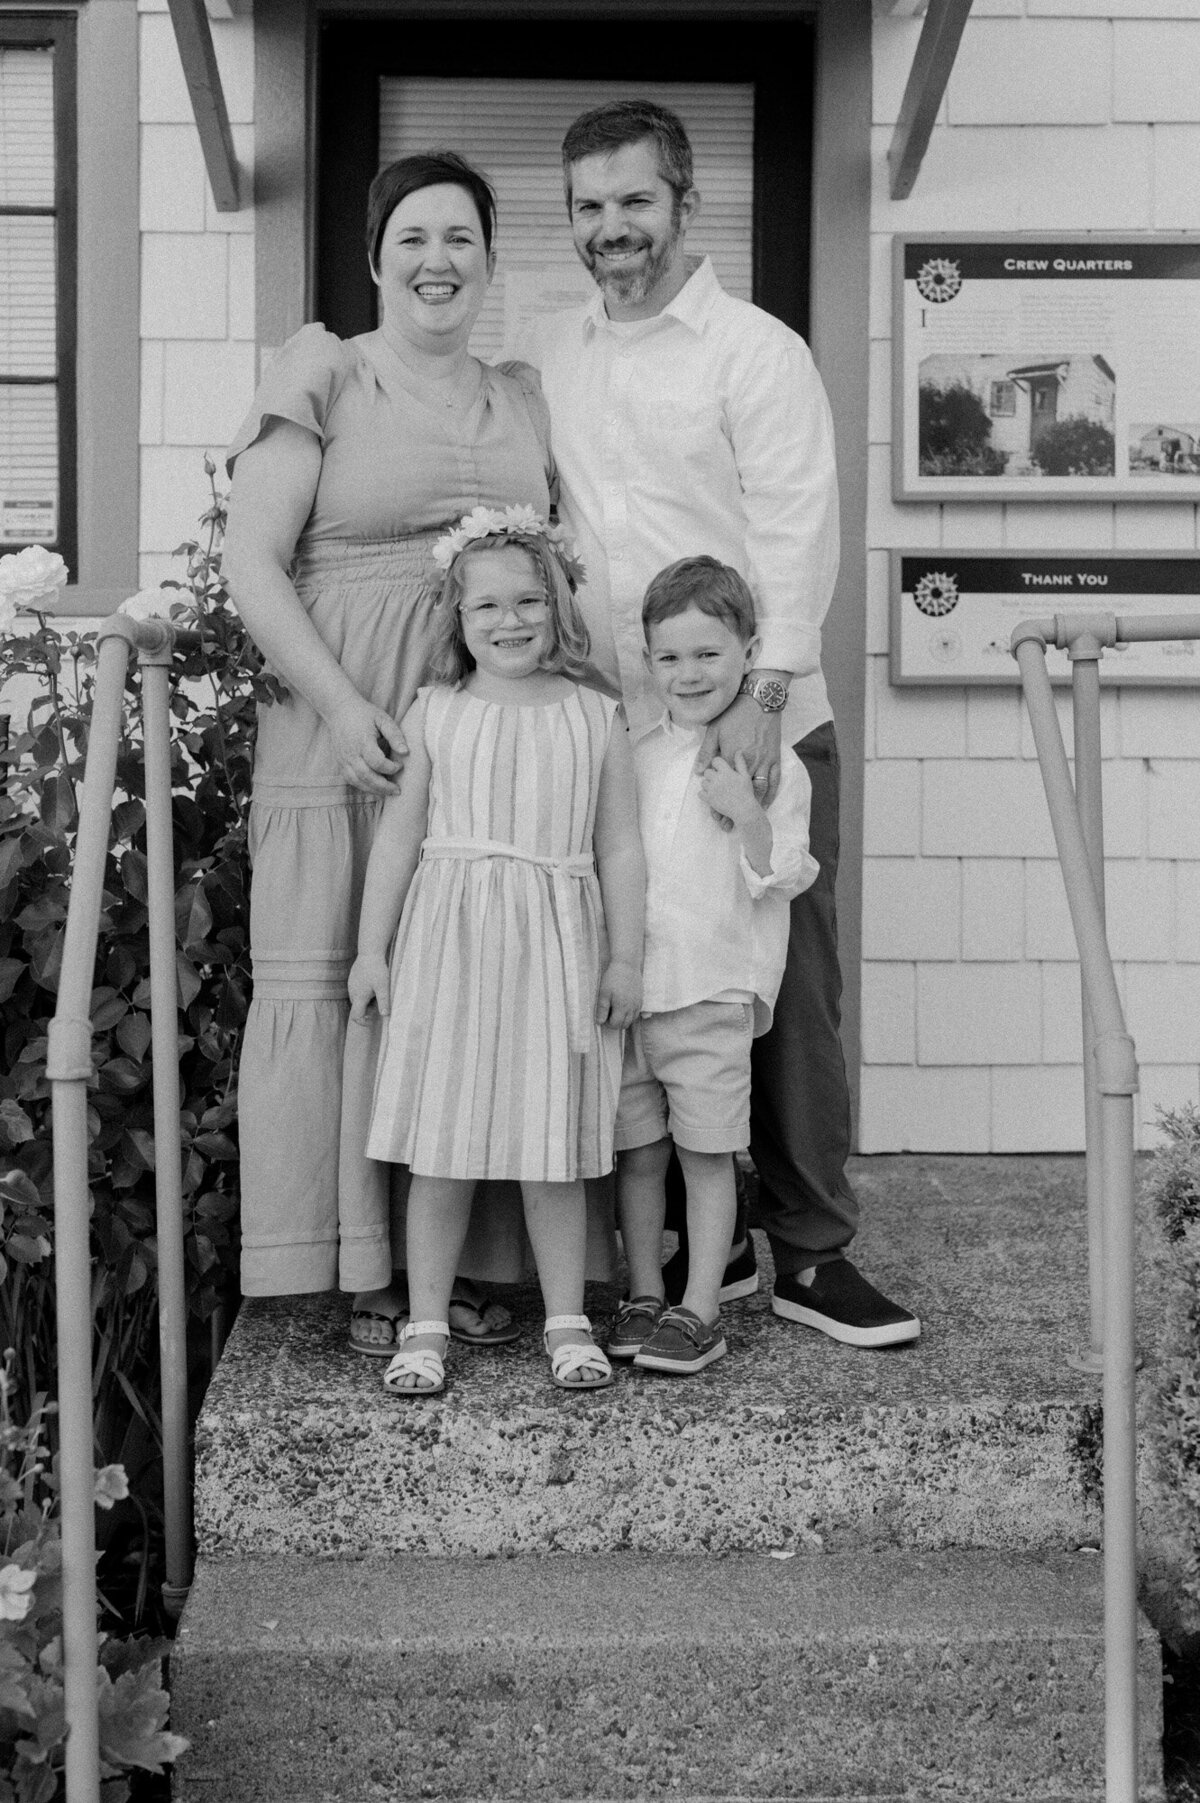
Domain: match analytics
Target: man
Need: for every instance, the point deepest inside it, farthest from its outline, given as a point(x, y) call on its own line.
point(688, 422)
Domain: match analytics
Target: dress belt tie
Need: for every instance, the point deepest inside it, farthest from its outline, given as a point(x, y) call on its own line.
point(566, 875)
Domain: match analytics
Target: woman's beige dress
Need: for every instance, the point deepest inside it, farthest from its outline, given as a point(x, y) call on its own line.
point(397, 468)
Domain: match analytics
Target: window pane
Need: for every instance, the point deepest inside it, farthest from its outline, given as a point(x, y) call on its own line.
point(28, 464)
point(26, 127)
point(27, 297)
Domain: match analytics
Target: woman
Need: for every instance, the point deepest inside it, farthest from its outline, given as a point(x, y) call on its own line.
point(356, 454)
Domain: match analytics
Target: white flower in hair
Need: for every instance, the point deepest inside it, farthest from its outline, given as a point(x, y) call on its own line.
point(526, 519)
point(522, 522)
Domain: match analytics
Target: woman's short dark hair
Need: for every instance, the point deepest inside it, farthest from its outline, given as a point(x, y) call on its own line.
point(714, 588)
point(427, 169)
point(611, 127)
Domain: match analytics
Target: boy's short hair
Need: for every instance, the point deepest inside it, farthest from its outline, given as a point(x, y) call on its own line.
point(713, 587)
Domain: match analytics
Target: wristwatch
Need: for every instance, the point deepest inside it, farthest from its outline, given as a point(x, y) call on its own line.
point(770, 694)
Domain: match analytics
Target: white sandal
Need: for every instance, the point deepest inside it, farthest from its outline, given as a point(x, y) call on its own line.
point(565, 1360)
point(426, 1366)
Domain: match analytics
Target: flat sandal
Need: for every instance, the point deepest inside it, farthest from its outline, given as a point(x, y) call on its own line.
point(595, 1371)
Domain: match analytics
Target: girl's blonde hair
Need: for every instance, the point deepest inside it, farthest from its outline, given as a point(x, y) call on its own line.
point(570, 645)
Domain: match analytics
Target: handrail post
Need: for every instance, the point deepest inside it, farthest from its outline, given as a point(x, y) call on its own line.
point(168, 1166)
point(69, 1069)
point(1085, 651)
point(1116, 1074)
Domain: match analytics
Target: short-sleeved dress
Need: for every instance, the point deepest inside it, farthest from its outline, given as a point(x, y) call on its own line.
point(397, 468)
point(493, 1065)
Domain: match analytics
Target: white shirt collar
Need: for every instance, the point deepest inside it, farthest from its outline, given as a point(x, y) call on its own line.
point(691, 306)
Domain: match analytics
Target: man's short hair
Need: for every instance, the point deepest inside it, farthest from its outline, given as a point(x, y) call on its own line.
point(608, 128)
point(712, 587)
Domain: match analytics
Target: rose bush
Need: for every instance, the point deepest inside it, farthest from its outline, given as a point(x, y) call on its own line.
point(133, 1705)
point(215, 691)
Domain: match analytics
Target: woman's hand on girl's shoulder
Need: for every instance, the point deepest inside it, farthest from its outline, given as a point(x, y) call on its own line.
point(368, 986)
point(369, 746)
point(620, 995)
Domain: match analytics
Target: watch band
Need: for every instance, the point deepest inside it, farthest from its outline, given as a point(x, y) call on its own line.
point(770, 694)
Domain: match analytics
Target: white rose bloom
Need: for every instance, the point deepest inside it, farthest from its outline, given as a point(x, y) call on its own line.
point(16, 1592)
point(30, 579)
point(149, 604)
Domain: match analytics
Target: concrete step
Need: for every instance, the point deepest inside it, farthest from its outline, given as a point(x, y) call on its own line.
point(970, 1676)
point(981, 1435)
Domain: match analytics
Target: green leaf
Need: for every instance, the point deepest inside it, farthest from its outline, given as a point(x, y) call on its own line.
point(144, 1143)
point(11, 970)
point(107, 1009)
point(193, 916)
point(122, 1077)
point(215, 1145)
point(10, 859)
point(16, 1187)
point(133, 874)
point(15, 1124)
point(188, 979)
point(133, 1035)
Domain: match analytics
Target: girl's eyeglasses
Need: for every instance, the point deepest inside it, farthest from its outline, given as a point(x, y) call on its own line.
point(490, 613)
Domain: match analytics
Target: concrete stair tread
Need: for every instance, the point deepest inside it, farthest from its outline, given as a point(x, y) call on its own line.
point(981, 1433)
point(969, 1674)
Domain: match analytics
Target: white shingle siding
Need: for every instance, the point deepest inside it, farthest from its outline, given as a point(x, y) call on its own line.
point(951, 780)
point(197, 300)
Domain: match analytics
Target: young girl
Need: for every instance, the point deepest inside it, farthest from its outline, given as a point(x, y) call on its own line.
point(510, 982)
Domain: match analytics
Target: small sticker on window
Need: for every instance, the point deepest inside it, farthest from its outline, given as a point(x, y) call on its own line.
point(28, 522)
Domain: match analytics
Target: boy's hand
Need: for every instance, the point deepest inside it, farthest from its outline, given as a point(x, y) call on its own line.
point(746, 728)
point(729, 790)
point(620, 995)
point(369, 987)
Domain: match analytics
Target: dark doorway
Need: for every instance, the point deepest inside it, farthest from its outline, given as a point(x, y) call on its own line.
point(775, 56)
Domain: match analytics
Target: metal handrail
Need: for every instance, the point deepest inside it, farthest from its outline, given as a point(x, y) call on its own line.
point(69, 1069)
point(1110, 1083)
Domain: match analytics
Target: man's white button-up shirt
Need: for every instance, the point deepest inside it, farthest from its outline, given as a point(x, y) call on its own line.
point(715, 929)
point(704, 429)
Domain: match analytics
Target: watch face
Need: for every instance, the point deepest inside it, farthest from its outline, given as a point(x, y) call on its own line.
point(770, 695)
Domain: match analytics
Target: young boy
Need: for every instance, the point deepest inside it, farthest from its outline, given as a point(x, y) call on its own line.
point(716, 944)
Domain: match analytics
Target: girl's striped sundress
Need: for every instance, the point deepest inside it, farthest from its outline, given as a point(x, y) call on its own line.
point(492, 1064)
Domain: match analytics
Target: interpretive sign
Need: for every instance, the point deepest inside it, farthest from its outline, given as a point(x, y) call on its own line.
point(1043, 369)
point(953, 614)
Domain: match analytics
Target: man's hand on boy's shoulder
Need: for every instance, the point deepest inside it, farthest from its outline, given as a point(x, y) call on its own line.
point(744, 727)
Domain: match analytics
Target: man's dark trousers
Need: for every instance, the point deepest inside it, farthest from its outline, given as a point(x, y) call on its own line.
point(800, 1099)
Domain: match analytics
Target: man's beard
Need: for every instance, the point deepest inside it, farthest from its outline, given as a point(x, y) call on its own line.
point(630, 288)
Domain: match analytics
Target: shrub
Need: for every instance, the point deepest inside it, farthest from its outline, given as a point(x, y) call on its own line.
point(132, 1702)
point(212, 705)
point(1076, 447)
point(953, 430)
point(1173, 1416)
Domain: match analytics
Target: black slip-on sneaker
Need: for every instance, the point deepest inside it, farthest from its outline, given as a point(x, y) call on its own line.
point(740, 1279)
point(841, 1303)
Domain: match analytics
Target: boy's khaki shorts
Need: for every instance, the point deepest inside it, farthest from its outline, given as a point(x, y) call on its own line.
point(687, 1073)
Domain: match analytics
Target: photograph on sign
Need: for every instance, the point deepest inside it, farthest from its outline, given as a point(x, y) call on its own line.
point(1039, 369)
point(953, 613)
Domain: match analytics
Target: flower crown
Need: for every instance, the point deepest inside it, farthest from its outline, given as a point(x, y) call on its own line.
point(520, 524)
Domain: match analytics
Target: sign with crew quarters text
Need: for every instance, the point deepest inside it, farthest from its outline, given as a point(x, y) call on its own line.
point(953, 613)
point(1046, 368)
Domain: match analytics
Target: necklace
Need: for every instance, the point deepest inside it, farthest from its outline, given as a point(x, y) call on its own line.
point(454, 390)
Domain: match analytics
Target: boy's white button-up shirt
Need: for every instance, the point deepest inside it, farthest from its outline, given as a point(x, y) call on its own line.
point(704, 429)
point(715, 929)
